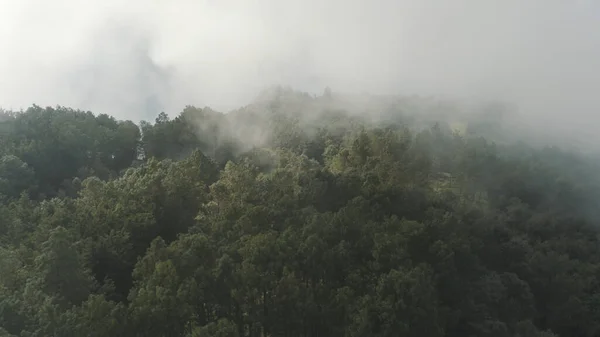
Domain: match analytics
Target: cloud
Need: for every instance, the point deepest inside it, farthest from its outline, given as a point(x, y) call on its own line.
point(135, 58)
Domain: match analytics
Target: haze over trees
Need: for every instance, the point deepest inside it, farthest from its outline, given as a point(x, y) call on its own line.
point(294, 216)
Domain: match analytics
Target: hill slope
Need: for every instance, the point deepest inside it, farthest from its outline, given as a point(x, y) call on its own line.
point(293, 216)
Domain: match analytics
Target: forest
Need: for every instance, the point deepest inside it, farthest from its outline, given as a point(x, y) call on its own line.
point(296, 215)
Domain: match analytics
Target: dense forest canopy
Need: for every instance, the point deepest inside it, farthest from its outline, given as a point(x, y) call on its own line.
point(296, 215)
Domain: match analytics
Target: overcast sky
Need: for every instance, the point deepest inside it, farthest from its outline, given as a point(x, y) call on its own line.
point(134, 58)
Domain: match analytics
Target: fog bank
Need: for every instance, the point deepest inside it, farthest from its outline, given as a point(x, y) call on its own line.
point(134, 59)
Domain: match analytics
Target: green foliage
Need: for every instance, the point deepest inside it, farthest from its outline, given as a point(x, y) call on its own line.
point(59, 144)
point(15, 177)
point(293, 216)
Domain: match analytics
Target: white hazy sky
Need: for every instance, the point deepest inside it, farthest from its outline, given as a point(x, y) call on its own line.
point(134, 58)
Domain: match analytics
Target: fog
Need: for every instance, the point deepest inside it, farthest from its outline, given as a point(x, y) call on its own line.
point(136, 58)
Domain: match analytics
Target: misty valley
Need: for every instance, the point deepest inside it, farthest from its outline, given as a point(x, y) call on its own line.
point(297, 215)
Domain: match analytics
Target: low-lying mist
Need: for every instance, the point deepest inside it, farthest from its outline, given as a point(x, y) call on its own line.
point(299, 168)
point(135, 59)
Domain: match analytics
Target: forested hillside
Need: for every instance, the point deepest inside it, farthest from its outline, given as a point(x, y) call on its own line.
point(296, 215)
